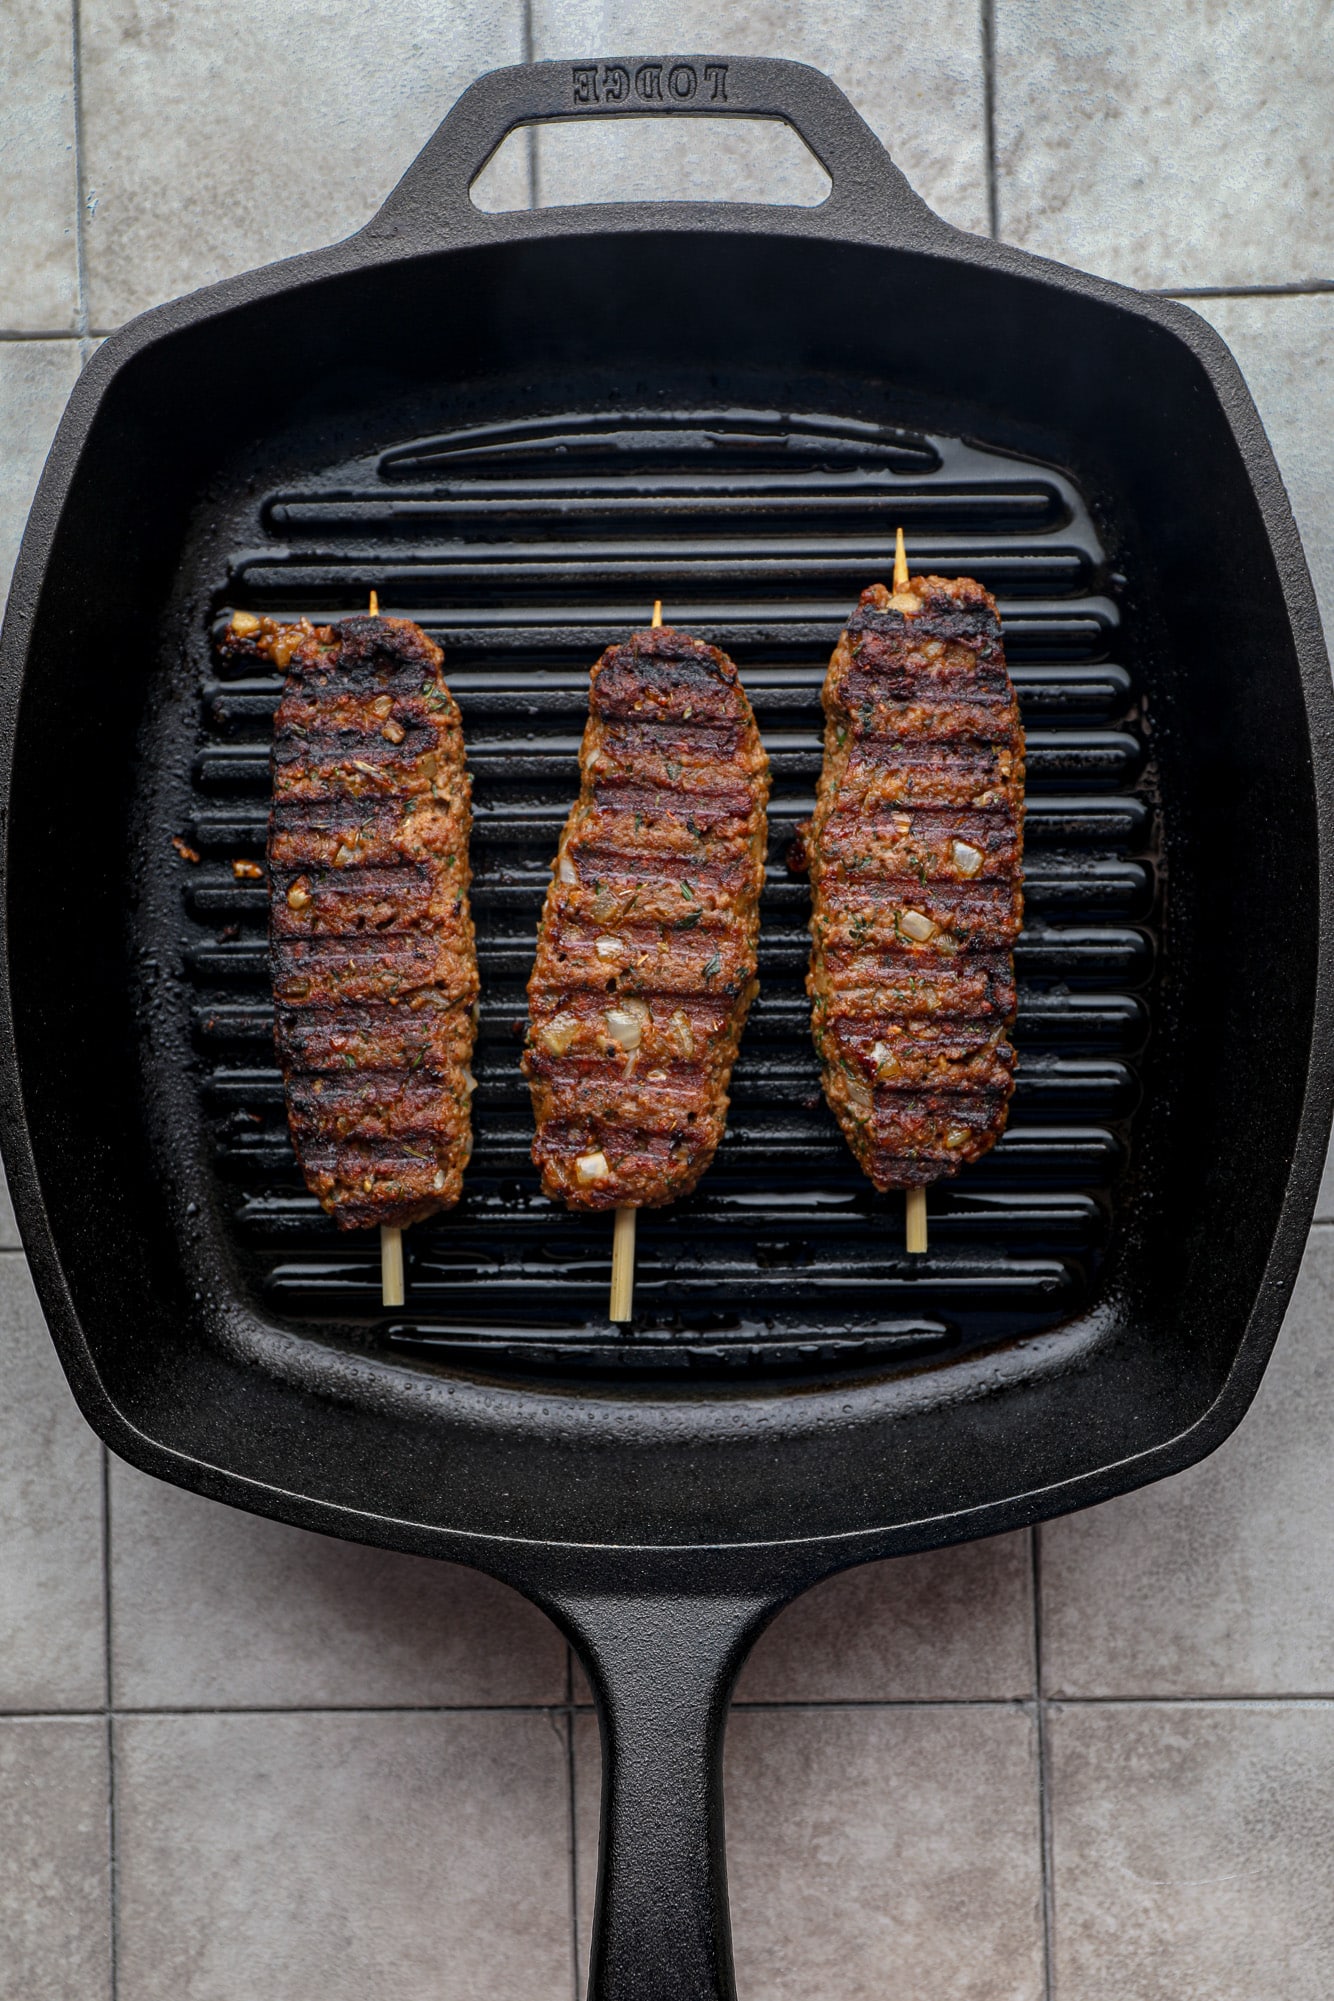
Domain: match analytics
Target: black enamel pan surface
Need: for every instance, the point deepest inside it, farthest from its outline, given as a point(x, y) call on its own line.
point(520, 429)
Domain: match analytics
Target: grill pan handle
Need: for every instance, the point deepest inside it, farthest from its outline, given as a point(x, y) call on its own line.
point(663, 1669)
point(869, 199)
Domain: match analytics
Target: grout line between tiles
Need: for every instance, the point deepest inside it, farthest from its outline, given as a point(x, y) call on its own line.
point(988, 28)
point(80, 182)
point(1312, 1699)
point(530, 131)
point(1044, 1775)
point(571, 1717)
point(1300, 289)
point(113, 1858)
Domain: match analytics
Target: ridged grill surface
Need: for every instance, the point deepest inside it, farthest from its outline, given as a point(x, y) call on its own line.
point(525, 550)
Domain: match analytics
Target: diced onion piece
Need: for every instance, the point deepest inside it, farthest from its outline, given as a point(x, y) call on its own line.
point(244, 623)
point(298, 896)
point(956, 1137)
point(967, 859)
point(439, 1180)
point(609, 948)
point(344, 856)
point(682, 1035)
point(859, 1094)
point(559, 1033)
point(625, 1026)
point(884, 1058)
point(568, 873)
point(916, 925)
point(469, 1082)
point(591, 1167)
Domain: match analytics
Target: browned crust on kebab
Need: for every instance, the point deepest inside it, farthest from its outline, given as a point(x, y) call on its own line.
point(918, 829)
point(647, 946)
point(374, 961)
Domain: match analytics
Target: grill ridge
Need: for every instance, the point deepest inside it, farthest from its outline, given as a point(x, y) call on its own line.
point(522, 549)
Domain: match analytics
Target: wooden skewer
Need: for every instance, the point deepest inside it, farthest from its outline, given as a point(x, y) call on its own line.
point(900, 563)
point(392, 1291)
point(391, 1265)
point(622, 1305)
point(915, 1198)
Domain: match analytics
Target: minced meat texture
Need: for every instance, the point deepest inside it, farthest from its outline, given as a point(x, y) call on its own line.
point(915, 851)
point(374, 961)
point(647, 945)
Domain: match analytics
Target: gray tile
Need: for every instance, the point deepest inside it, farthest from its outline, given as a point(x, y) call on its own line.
point(1193, 1852)
point(9, 1229)
point(342, 1857)
point(39, 277)
point(1183, 145)
point(1324, 1201)
point(1285, 348)
point(55, 1876)
point(1220, 1581)
point(739, 160)
point(199, 164)
point(52, 1646)
point(872, 1851)
point(35, 380)
point(211, 1606)
point(926, 103)
point(952, 1624)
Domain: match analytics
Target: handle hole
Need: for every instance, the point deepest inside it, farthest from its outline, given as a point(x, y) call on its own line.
point(678, 158)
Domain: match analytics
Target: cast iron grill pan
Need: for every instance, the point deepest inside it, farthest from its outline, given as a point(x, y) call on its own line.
point(520, 429)
point(524, 548)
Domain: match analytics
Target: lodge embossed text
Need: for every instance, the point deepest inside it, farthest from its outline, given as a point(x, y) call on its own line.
point(650, 83)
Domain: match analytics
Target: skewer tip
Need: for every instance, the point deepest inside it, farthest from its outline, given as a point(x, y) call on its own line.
point(900, 562)
point(623, 1267)
point(916, 1222)
point(391, 1265)
point(657, 613)
point(375, 604)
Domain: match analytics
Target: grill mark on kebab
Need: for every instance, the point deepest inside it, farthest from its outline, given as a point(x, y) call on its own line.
point(915, 851)
point(646, 949)
point(374, 959)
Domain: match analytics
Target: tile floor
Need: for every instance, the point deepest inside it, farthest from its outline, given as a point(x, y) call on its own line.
point(240, 1763)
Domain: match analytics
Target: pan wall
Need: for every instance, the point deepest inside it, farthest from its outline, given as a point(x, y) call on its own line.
point(1098, 388)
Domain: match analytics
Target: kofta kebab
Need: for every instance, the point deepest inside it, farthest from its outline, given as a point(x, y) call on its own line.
point(914, 851)
point(647, 944)
point(374, 962)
